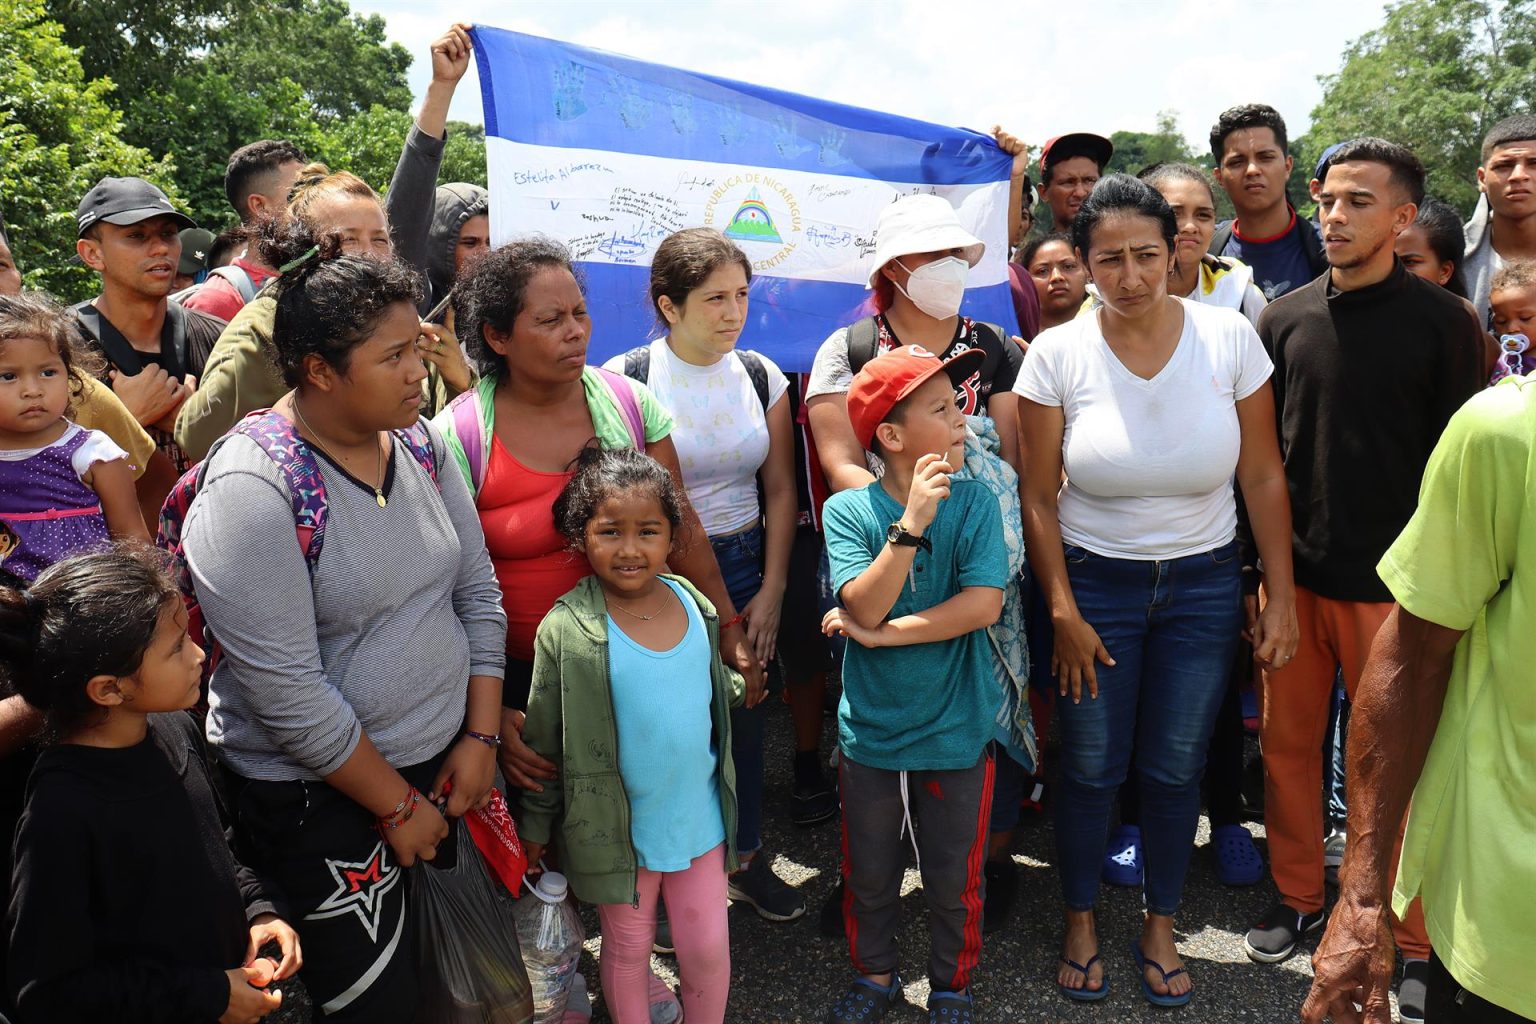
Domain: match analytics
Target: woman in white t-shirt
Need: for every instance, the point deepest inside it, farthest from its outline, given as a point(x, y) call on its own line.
point(735, 444)
point(1150, 404)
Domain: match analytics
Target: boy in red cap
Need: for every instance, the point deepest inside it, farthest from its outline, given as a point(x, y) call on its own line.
point(918, 567)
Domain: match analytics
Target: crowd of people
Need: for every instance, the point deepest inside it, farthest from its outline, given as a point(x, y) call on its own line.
point(414, 552)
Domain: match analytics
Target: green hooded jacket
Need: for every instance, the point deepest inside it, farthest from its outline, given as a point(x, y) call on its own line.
point(588, 805)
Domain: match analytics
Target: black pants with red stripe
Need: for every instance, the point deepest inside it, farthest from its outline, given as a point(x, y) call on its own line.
point(949, 810)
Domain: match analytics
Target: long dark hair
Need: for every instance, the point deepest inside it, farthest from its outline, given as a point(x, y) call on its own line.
point(90, 615)
point(1447, 239)
point(1121, 193)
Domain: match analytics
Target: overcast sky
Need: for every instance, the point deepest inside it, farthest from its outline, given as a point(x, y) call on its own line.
point(1039, 69)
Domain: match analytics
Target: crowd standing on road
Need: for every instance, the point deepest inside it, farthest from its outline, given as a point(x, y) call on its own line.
point(419, 562)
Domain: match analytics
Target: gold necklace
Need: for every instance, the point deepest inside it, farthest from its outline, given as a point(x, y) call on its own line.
point(378, 493)
point(637, 615)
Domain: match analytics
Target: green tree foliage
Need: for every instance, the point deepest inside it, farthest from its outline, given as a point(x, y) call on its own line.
point(369, 146)
point(59, 135)
point(208, 76)
point(1434, 77)
point(1135, 150)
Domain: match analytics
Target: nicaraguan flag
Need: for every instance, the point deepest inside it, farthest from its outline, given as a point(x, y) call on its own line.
point(610, 155)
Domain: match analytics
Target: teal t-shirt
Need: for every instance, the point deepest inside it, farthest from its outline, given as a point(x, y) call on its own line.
point(922, 706)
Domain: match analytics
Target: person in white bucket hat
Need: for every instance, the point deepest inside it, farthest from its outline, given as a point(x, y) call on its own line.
point(923, 256)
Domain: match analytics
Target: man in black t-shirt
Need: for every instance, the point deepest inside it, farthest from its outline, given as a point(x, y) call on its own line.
point(154, 349)
point(1252, 163)
point(1370, 363)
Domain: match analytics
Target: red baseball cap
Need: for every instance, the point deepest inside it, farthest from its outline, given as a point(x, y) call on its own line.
point(1063, 147)
point(886, 380)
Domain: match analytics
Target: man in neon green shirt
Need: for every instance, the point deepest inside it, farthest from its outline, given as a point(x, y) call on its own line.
point(1448, 700)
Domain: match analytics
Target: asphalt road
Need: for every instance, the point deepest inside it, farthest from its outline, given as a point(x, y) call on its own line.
point(787, 972)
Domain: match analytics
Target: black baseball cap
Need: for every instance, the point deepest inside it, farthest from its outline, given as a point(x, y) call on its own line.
point(1063, 147)
point(196, 243)
point(124, 201)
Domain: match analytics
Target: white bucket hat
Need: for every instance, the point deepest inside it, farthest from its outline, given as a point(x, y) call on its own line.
point(921, 223)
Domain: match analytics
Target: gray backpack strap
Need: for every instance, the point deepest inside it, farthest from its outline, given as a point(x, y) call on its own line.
point(863, 336)
point(1220, 239)
point(637, 364)
point(239, 278)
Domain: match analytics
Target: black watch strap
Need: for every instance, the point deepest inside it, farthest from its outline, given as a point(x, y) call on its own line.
point(897, 534)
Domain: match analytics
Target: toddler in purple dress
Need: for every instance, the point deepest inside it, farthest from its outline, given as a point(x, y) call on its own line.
point(63, 489)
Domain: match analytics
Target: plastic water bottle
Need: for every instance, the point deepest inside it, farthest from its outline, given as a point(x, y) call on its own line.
point(549, 936)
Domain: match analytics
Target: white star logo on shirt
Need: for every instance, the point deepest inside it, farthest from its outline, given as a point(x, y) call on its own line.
point(360, 889)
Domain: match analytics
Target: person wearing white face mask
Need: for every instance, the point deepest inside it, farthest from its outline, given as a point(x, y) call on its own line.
point(922, 261)
point(923, 257)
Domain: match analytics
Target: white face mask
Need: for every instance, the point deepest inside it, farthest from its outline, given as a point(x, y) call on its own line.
point(936, 288)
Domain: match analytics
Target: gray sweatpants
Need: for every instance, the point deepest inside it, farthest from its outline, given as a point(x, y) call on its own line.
point(949, 810)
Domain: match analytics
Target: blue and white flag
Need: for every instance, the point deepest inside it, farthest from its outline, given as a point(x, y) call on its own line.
point(610, 155)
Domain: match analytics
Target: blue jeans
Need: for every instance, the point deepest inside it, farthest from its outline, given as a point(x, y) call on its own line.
point(1172, 627)
point(741, 564)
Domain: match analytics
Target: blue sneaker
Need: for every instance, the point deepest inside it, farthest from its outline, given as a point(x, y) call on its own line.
point(865, 1001)
point(1123, 864)
point(950, 1008)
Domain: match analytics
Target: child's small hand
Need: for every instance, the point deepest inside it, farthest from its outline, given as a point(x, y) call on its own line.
point(521, 764)
point(267, 928)
point(930, 485)
point(838, 622)
point(247, 1002)
point(534, 852)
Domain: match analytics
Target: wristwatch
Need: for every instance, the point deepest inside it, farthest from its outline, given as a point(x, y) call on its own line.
point(897, 534)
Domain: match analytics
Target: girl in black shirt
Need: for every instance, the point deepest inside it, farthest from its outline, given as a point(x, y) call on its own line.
point(126, 904)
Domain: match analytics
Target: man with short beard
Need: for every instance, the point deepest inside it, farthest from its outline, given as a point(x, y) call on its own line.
point(130, 234)
point(1370, 363)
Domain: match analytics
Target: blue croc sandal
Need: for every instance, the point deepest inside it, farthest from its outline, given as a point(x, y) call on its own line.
point(1084, 994)
point(1142, 963)
point(950, 1008)
point(865, 1002)
point(1237, 859)
point(1123, 859)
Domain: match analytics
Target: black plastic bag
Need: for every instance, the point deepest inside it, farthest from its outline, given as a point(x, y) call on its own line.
point(466, 943)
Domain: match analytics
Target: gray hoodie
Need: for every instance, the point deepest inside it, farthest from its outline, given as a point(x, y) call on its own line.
point(454, 204)
point(1481, 261)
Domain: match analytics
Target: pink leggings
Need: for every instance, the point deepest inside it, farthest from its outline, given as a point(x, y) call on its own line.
point(696, 907)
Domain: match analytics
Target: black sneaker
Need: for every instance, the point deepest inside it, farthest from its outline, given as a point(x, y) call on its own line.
point(1413, 991)
point(1274, 938)
point(832, 913)
point(865, 1002)
point(813, 802)
point(1002, 884)
point(767, 892)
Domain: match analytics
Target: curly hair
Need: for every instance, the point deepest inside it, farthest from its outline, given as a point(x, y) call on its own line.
point(330, 302)
point(492, 289)
point(87, 616)
point(35, 315)
point(1514, 274)
point(602, 473)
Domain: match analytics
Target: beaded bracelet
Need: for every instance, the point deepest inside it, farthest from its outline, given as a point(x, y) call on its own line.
point(494, 742)
point(402, 812)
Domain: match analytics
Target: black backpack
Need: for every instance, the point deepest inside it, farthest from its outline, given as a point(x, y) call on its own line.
point(637, 366)
point(863, 336)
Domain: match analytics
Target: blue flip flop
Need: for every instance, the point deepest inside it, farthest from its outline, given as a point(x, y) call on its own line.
point(1084, 994)
point(1153, 997)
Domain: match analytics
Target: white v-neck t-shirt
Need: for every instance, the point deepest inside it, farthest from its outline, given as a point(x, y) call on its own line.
point(1149, 463)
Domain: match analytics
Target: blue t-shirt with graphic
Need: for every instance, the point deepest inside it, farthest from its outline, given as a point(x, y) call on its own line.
point(922, 706)
point(1280, 264)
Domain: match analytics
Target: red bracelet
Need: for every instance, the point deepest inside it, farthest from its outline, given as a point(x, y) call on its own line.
point(738, 620)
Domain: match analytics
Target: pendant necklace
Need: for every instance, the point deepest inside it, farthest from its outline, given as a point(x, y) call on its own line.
point(378, 493)
point(637, 615)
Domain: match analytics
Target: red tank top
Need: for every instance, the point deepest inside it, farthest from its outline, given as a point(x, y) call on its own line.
point(534, 564)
